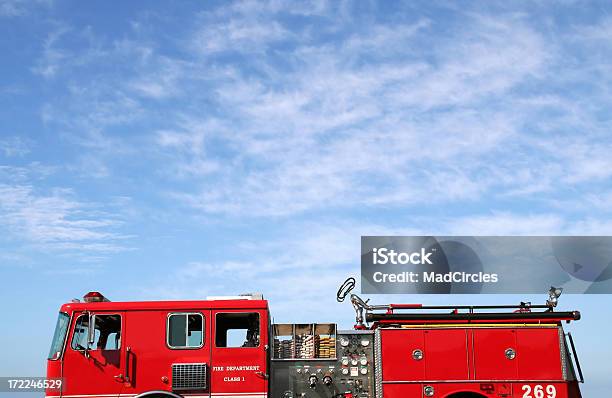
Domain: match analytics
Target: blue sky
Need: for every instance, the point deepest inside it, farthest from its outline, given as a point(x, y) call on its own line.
point(153, 150)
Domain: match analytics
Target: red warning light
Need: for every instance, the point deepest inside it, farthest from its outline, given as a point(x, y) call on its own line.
point(94, 297)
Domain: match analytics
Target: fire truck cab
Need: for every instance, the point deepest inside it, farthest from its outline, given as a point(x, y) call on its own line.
point(212, 348)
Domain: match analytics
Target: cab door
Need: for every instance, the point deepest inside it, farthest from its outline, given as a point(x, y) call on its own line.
point(95, 367)
point(239, 353)
point(169, 350)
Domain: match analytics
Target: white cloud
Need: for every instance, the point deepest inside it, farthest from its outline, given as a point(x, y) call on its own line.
point(22, 174)
point(163, 81)
point(12, 8)
point(600, 33)
point(242, 35)
point(53, 220)
point(249, 27)
point(512, 223)
point(52, 55)
point(333, 131)
point(15, 146)
point(506, 224)
point(269, 118)
point(20, 8)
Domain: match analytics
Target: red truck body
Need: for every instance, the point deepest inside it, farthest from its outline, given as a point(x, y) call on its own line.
point(471, 359)
point(182, 349)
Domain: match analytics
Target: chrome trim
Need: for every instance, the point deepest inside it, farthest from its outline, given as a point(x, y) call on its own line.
point(378, 388)
point(562, 351)
point(188, 377)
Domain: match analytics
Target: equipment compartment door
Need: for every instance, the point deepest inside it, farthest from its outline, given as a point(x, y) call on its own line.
point(400, 359)
point(98, 366)
point(446, 354)
point(240, 353)
point(490, 361)
point(538, 354)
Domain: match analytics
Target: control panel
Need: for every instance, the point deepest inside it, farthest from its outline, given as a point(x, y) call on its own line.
point(349, 375)
point(356, 360)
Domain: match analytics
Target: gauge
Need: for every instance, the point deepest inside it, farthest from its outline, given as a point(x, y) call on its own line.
point(345, 361)
point(345, 371)
point(364, 361)
point(344, 342)
point(364, 371)
point(354, 362)
point(365, 342)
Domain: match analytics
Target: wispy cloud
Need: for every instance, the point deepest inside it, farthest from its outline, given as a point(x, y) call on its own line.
point(326, 129)
point(268, 117)
point(15, 146)
point(11, 8)
point(16, 8)
point(54, 220)
point(53, 56)
point(57, 220)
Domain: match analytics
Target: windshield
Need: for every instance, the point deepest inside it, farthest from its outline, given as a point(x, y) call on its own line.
point(59, 336)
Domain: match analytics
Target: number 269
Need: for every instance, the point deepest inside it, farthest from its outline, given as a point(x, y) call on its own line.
point(539, 391)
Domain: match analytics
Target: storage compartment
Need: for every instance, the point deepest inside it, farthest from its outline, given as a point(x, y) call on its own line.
point(424, 354)
point(304, 341)
point(446, 354)
point(490, 360)
point(538, 354)
point(400, 354)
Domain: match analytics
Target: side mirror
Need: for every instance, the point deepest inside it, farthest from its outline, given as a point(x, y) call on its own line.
point(91, 329)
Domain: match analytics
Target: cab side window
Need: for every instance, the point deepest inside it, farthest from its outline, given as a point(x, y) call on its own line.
point(107, 333)
point(185, 330)
point(239, 329)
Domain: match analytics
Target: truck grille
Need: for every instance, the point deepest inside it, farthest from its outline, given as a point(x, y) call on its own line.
point(189, 376)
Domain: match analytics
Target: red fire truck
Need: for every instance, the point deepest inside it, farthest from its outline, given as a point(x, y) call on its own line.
point(227, 347)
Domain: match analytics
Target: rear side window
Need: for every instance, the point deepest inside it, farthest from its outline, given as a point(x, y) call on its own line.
point(185, 330)
point(237, 329)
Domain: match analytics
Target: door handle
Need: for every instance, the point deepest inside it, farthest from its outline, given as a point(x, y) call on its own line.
point(262, 374)
point(128, 352)
point(119, 378)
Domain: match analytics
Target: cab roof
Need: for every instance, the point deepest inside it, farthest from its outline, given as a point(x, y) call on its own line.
point(165, 305)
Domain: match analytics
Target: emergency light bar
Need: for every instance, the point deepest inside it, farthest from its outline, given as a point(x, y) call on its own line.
point(94, 297)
